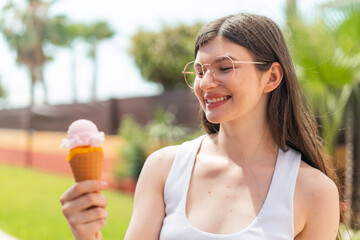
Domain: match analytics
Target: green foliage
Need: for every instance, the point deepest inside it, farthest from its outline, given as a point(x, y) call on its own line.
point(97, 31)
point(348, 33)
point(2, 90)
point(28, 29)
point(32, 210)
point(161, 56)
point(140, 141)
point(323, 70)
point(348, 234)
point(133, 148)
point(93, 34)
point(61, 32)
point(356, 236)
point(162, 129)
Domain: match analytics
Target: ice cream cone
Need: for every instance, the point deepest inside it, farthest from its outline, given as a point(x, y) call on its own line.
point(86, 155)
point(86, 163)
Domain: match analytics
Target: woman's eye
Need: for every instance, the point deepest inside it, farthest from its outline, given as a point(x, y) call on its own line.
point(199, 74)
point(224, 69)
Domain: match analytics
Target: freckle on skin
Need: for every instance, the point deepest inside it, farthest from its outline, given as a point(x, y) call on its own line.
point(209, 192)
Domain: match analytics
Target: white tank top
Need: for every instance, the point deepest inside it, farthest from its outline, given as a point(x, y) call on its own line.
point(274, 221)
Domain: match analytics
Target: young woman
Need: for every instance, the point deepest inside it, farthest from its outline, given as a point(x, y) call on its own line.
point(259, 173)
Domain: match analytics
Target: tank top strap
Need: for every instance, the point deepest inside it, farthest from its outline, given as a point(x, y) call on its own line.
point(180, 172)
point(285, 174)
point(279, 203)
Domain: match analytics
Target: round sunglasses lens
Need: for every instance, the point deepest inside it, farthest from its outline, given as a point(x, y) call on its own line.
point(222, 68)
point(190, 74)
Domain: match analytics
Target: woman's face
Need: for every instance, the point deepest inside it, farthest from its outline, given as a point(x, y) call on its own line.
point(240, 97)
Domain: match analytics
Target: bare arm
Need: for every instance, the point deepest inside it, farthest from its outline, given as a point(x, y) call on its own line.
point(319, 200)
point(149, 207)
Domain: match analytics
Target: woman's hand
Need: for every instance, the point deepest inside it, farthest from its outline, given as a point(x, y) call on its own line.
point(84, 208)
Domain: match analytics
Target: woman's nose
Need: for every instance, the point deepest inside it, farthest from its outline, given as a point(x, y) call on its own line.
point(208, 81)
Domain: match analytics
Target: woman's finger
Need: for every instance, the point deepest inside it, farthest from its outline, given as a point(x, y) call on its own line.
point(82, 188)
point(83, 203)
point(88, 216)
point(89, 230)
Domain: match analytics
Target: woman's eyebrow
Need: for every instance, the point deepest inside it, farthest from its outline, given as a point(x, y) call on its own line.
point(222, 58)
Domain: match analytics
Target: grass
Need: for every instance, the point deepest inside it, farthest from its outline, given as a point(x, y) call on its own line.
point(30, 207)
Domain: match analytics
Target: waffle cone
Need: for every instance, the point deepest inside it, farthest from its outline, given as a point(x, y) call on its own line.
point(87, 166)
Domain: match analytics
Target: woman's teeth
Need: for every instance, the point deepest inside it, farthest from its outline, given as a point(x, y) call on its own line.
point(214, 100)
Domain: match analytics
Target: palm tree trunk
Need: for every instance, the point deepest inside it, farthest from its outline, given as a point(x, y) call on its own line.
point(356, 159)
point(32, 85)
point(95, 72)
point(73, 74)
point(29, 138)
point(349, 163)
point(43, 84)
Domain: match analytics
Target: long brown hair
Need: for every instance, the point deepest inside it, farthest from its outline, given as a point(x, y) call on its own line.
point(290, 120)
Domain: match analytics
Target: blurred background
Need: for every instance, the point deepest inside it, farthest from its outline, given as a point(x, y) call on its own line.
point(119, 64)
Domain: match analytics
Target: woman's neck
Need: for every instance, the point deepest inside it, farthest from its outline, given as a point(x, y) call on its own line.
point(244, 143)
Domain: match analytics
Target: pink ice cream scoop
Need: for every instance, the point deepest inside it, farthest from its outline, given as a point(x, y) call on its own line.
point(83, 133)
point(86, 156)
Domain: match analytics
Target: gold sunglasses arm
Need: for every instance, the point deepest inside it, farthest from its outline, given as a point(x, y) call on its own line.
point(183, 72)
point(186, 72)
point(249, 62)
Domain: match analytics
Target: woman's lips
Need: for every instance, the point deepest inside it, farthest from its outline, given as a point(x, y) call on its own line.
point(215, 101)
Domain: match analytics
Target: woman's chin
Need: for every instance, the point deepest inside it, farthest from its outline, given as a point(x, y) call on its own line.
point(213, 119)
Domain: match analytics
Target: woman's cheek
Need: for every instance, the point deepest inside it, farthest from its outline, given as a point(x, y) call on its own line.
point(199, 96)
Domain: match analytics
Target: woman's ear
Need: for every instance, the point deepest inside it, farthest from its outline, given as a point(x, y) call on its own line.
point(275, 77)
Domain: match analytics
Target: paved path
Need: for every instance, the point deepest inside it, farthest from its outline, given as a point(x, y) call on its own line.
point(5, 236)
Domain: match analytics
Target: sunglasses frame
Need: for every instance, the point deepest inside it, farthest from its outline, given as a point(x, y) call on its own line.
point(184, 72)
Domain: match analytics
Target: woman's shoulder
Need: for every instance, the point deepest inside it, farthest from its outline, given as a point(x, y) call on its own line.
point(164, 156)
point(314, 184)
point(162, 159)
point(155, 170)
point(316, 199)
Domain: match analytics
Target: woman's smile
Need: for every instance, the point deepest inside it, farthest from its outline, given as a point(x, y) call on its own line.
point(214, 100)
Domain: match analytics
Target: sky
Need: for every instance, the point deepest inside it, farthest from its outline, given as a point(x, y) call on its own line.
point(118, 75)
